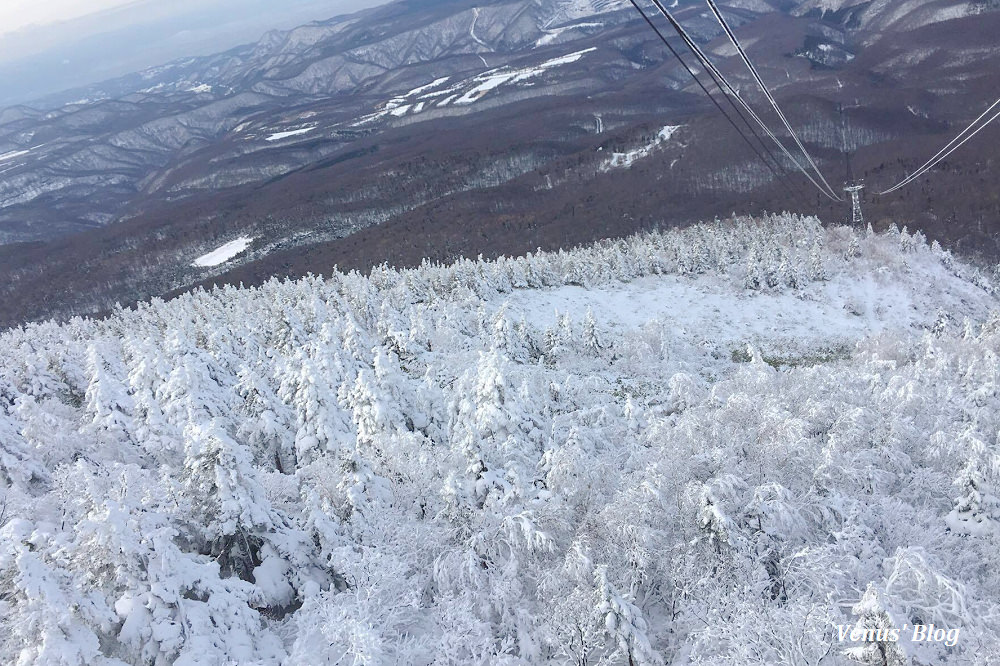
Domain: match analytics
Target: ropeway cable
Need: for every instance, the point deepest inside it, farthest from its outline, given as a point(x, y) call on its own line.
point(794, 190)
point(948, 149)
point(767, 93)
point(942, 157)
point(707, 63)
point(785, 182)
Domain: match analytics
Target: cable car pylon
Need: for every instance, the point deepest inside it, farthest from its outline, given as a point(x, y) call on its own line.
point(852, 187)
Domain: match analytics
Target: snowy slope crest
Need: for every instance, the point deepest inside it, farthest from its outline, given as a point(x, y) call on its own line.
point(894, 14)
point(557, 12)
point(571, 457)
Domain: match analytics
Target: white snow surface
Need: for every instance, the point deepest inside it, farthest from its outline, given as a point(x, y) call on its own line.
point(428, 86)
point(566, 59)
point(464, 93)
point(224, 253)
point(627, 159)
point(14, 154)
point(472, 28)
point(278, 136)
point(841, 310)
point(551, 36)
point(779, 427)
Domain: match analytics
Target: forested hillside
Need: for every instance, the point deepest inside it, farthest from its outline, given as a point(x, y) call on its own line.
point(494, 128)
point(708, 446)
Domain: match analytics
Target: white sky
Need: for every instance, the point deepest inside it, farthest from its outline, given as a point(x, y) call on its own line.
point(16, 14)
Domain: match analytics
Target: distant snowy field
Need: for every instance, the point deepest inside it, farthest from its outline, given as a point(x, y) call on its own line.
point(223, 253)
point(470, 91)
point(730, 444)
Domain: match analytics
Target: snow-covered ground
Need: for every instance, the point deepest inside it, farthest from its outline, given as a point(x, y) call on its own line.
point(752, 442)
point(436, 95)
point(278, 136)
point(14, 154)
point(551, 36)
point(224, 253)
point(844, 309)
point(628, 158)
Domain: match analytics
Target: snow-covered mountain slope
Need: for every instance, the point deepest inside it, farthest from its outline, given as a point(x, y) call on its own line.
point(90, 157)
point(715, 445)
point(892, 14)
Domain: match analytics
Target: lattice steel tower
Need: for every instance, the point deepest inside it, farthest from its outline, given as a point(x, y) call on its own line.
point(852, 186)
point(854, 189)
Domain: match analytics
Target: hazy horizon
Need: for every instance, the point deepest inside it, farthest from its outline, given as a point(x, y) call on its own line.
point(47, 52)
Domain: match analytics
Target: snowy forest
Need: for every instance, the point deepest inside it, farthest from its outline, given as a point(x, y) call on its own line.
point(716, 445)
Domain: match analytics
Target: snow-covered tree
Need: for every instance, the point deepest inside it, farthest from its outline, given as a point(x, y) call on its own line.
point(624, 623)
point(107, 400)
point(817, 264)
point(876, 631)
point(45, 616)
point(977, 508)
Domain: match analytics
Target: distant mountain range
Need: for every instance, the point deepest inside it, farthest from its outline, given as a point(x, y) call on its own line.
point(431, 129)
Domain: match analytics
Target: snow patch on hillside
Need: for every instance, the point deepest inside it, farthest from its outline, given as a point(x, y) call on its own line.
point(472, 28)
point(826, 5)
point(728, 50)
point(14, 154)
point(427, 86)
point(627, 159)
point(278, 136)
point(465, 92)
point(565, 11)
point(224, 253)
point(551, 36)
point(493, 79)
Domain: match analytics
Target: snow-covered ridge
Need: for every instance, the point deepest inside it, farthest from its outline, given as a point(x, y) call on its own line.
point(527, 461)
point(551, 36)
